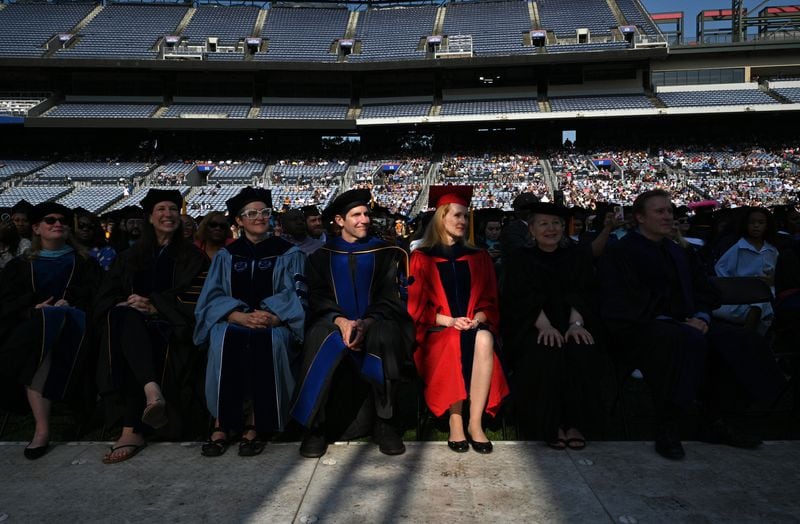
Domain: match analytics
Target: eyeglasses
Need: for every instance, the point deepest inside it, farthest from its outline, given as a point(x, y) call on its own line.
point(217, 225)
point(52, 220)
point(252, 214)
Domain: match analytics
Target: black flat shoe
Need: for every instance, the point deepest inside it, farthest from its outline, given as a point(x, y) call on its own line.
point(314, 444)
point(459, 446)
point(36, 453)
point(481, 447)
point(668, 446)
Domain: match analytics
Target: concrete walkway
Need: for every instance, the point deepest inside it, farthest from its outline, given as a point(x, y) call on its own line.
point(624, 482)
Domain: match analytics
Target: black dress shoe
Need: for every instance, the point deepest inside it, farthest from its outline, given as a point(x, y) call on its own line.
point(718, 432)
point(459, 446)
point(314, 444)
point(481, 447)
point(36, 453)
point(387, 438)
point(668, 446)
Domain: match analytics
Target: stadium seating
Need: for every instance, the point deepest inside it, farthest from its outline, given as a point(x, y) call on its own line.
point(13, 168)
point(496, 27)
point(238, 172)
point(482, 107)
point(395, 110)
point(92, 198)
point(101, 110)
point(104, 172)
point(497, 178)
point(126, 31)
point(714, 97)
point(211, 198)
point(317, 172)
point(207, 111)
point(565, 17)
point(584, 48)
point(228, 24)
point(304, 111)
point(302, 34)
point(285, 197)
point(635, 16)
point(172, 173)
point(600, 103)
point(19, 105)
point(791, 93)
point(33, 194)
point(138, 195)
point(407, 24)
point(26, 28)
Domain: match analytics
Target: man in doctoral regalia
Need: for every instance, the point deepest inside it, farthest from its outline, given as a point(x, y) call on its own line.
point(360, 337)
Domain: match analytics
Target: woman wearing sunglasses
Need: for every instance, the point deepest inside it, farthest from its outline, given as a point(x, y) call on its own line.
point(44, 298)
point(146, 305)
point(251, 314)
point(213, 233)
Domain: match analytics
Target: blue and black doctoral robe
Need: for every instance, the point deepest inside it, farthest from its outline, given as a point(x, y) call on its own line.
point(245, 363)
point(357, 280)
point(28, 335)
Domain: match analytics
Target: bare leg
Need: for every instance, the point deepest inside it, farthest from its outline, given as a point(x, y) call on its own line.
point(153, 393)
point(457, 422)
point(40, 407)
point(218, 433)
point(482, 365)
point(250, 434)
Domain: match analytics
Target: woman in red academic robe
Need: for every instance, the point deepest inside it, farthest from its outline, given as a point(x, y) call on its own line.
point(453, 301)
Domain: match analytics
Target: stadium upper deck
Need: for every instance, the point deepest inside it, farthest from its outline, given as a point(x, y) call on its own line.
point(322, 34)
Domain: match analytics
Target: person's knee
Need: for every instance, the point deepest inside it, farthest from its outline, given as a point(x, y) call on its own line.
point(484, 342)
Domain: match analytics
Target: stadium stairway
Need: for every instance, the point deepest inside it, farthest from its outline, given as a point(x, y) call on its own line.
point(533, 12)
point(438, 24)
point(550, 178)
point(777, 96)
point(621, 20)
point(655, 100)
point(185, 21)
point(259, 25)
point(75, 31)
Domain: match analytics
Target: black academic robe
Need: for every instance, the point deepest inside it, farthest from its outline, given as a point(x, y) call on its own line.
point(649, 289)
point(552, 386)
point(172, 281)
point(27, 334)
point(357, 281)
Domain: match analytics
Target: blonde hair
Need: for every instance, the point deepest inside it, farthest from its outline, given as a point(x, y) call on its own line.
point(435, 233)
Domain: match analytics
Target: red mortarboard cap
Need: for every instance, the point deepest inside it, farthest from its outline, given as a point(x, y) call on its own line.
point(442, 195)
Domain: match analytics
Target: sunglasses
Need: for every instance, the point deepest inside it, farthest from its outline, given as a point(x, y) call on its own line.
point(217, 225)
point(52, 220)
point(252, 214)
point(85, 225)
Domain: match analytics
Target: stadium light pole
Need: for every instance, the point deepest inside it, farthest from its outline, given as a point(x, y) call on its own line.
point(737, 15)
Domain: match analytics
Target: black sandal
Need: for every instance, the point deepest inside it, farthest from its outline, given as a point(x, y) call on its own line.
point(250, 447)
point(217, 447)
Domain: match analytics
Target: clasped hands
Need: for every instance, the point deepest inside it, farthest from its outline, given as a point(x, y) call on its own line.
point(257, 319)
point(140, 303)
point(550, 336)
point(353, 331)
point(49, 303)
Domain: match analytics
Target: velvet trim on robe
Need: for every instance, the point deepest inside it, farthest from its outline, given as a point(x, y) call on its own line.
point(356, 280)
point(439, 352)
point(268, 276)
point(29, 335)
point(170, 277)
